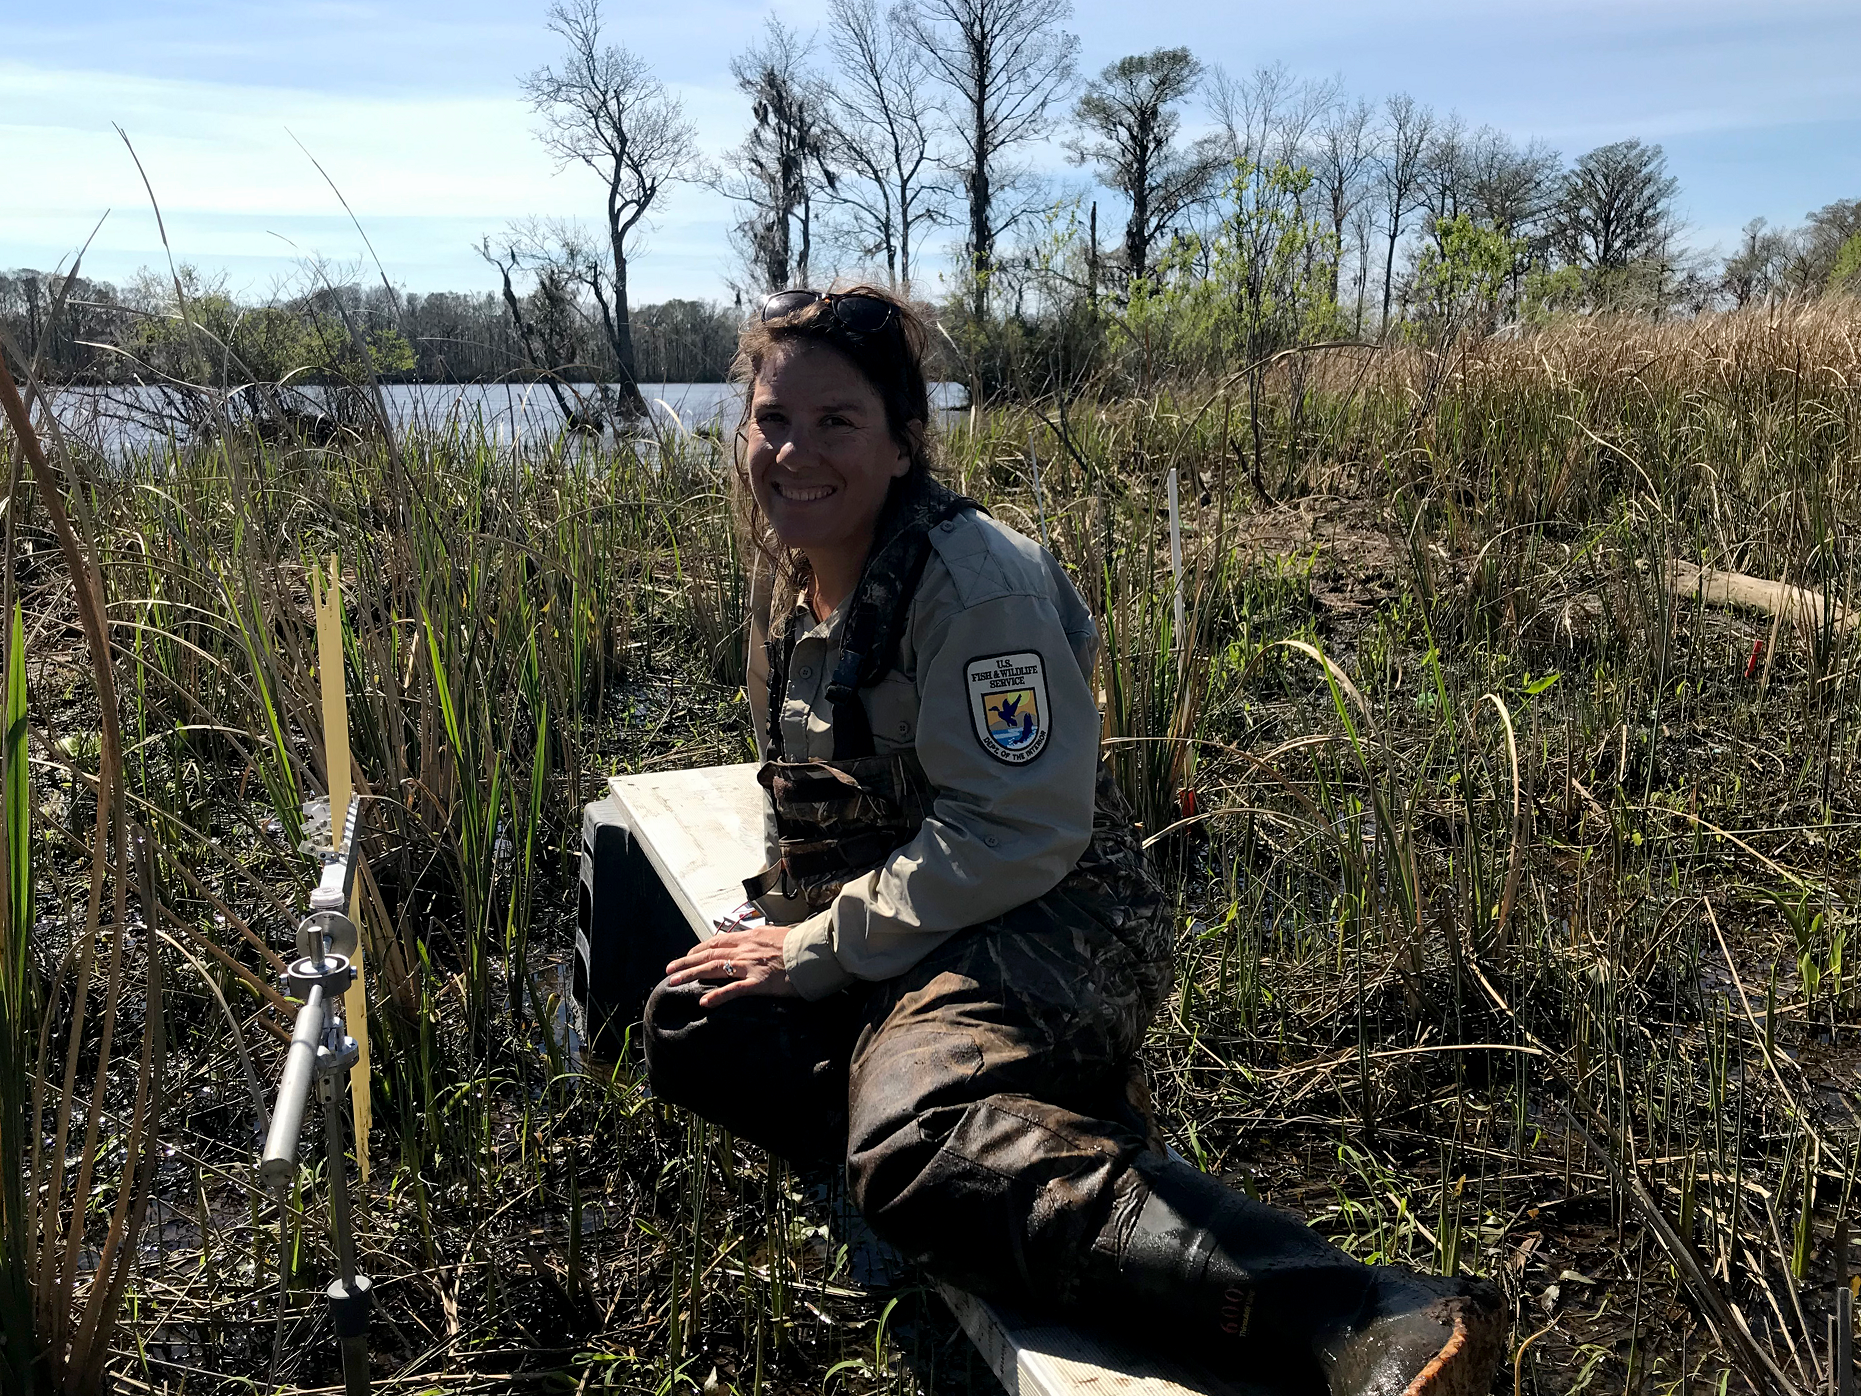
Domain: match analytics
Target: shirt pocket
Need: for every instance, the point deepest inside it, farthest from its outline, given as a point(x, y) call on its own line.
point(892, 708)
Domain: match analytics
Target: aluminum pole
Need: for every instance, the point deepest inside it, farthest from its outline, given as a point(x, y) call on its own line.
point(278, 1164)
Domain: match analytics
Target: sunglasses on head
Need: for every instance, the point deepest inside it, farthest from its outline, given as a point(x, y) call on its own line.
point(858, 313)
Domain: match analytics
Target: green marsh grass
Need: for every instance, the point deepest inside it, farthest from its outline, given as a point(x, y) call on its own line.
point(1514, 910)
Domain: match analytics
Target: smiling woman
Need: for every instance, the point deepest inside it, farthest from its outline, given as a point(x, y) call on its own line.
point(822, 457)
point(824, 433)
point(965, 946)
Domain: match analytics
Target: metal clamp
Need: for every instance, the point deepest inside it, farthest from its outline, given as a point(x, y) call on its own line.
point(333, 972)
point(337, 1055)
point(349, 1305)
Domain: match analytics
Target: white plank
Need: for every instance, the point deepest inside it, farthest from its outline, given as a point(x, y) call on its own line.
point(1031, 1358)
point(703, 832)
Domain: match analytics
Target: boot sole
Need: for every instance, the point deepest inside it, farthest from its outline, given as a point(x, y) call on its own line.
point(1467, 1360)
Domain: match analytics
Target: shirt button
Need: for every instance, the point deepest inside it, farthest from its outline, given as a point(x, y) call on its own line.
point(989, 839)
point(948, 525)
point(904, 729)
point(806, 672)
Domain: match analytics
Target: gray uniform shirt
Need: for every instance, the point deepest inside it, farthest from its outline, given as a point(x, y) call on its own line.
point(993, 690)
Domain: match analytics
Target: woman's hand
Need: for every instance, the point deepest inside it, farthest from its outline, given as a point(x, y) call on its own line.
point(751, 962)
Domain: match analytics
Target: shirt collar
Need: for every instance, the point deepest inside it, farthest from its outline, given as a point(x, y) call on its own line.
point(809, 628)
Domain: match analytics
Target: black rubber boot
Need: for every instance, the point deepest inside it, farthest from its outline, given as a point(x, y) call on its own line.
point(1417, 1335)
point(1187, 1263)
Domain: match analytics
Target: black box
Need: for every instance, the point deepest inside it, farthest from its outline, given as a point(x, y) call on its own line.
point(627, 928)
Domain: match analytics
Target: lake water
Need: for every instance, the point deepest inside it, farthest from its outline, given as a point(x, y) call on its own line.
point(125, 418)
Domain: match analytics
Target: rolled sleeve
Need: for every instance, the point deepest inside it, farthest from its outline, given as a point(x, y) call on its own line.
point(999, 834)
point(808, 955)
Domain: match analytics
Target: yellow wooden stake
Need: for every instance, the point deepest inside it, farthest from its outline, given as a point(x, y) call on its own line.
point(336, 762)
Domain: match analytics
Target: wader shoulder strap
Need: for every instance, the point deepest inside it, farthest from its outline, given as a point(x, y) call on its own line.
point(866, 651)
point(779, 647)
point(882, 602)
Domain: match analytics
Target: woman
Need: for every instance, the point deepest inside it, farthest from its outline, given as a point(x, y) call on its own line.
point(967, 945)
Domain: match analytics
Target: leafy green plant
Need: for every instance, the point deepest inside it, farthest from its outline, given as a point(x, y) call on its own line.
point(1816, 953)
point(1845, 275)
point(18, 1009)
point(1462, 276)
point(1258, 284)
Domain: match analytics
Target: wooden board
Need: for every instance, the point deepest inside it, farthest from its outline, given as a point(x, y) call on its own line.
point(702, 830)
point(1050, 1359)
point(1717, 587)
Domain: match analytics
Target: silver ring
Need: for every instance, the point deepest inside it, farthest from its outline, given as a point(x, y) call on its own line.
point(730, 970)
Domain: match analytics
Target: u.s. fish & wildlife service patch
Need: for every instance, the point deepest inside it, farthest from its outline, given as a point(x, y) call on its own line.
point(1008, 705)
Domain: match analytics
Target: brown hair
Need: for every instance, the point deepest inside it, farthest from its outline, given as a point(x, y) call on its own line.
point(891, 361)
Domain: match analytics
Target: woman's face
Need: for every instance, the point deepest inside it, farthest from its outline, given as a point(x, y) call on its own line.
point(820, 454)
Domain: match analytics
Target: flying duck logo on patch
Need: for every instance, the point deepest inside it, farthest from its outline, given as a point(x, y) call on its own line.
point(1008, 705)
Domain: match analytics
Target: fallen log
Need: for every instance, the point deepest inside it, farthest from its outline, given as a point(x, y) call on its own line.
point(1793, 603)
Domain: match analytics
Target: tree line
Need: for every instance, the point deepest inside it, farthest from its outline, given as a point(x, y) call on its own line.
point(95, 331)
point(893, 123)
point(898, 145)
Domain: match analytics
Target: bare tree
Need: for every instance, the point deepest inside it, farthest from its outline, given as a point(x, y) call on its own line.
point(1004, 63)
point(1513, 187)
point(1343, 153)
point(547, 321)
point(783, 163)
point(1756, 271)
point(1363, 228)
point(1445, 176)
point(1821, 242)
point(1267, 117)
point(1129, 127)
point(1408, 128)
point(884, 127)
point(602, 108)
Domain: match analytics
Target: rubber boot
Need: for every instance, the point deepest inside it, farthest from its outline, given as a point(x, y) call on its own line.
point(1194, 1266)
point(1255, 1293)
point(1417, 1335)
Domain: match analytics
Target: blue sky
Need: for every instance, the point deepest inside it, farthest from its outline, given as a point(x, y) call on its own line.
point(414, 110)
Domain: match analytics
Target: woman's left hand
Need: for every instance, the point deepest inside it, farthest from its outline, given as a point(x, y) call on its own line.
point(750, 961)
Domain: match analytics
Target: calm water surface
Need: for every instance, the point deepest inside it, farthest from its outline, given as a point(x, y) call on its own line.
point(125, 418)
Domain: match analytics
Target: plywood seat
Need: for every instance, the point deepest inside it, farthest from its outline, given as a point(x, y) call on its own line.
point(663, 860)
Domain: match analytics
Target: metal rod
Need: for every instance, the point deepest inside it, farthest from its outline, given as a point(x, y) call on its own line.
point(1844, 1355)
point(349, 1296)
point(321, 1051)
point(355, 1365)
point(330, 1088)
point(278, 1164)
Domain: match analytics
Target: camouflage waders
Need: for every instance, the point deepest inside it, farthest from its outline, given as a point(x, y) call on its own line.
point(988, 1102)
